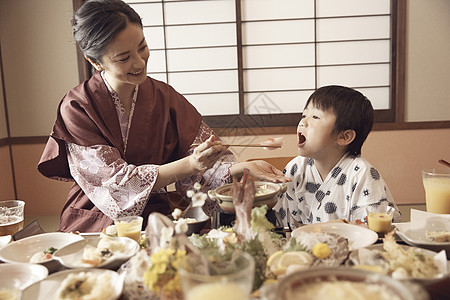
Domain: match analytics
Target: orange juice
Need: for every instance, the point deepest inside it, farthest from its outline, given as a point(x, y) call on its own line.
point(437, 194)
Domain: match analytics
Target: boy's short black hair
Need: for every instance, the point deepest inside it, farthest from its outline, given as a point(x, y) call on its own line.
point(352, 109)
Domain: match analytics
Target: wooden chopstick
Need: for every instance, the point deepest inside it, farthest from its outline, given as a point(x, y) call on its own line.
point(242, 145)
point(444, 162)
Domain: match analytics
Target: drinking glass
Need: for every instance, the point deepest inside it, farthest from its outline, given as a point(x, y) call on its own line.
point(129, 226)
point(11, 216)
point(437, 190)
point(213, 277)
point(379, 218)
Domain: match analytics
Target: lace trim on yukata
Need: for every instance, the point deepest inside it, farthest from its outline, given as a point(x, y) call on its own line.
point(212, 178)
point(115, 187)
point(124, 120)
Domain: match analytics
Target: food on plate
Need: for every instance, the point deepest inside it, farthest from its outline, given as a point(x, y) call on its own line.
point(438, 236)
point(399, 262)
point(340, 290)
point(86, 286)
point(42, 256)
point(9, 294)
point(379, 222)
point(338, 247)
point(262, 190)
point(106, 248)
point(321, 250)
point(308, 249)
point(281, 262)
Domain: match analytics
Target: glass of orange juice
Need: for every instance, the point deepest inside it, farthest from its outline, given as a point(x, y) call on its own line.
point(437, 190)
point(219, 278)
point(11, 216)
point(129, 226)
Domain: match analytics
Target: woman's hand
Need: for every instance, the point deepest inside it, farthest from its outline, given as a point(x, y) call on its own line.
point(261, 170)
point(206, 154)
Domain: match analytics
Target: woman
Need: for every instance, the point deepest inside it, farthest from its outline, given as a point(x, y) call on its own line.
point(123, 136)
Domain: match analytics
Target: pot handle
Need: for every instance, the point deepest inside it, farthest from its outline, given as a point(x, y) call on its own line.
point(283, 188)
point(213, 196)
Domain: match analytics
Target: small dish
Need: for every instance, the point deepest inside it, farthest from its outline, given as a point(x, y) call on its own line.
point(48, 287)
point(266, 194)
point(199, 215)
point(414, 233)
point(22, 250)
point(357, 236)
point(19, 276)
point(71, 256)
point(354, 259)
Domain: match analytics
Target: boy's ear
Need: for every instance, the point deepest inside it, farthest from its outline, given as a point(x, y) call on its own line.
point(96, 65)
point(346, 137)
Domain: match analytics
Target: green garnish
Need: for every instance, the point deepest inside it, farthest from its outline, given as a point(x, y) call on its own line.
point(50, 250)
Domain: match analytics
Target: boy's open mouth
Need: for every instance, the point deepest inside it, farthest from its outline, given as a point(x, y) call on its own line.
point(301, 139)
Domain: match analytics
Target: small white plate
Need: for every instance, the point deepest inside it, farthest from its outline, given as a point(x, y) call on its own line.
point(18, 276)
point(71, 256)
point(441, 262)
point(417, 238)
point(22, 250)
point(357, 236)
point(46, 289)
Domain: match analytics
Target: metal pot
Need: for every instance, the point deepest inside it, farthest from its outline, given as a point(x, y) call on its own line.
point(222, 195)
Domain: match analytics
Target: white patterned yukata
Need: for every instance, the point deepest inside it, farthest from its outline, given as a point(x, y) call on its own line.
point(348, 189)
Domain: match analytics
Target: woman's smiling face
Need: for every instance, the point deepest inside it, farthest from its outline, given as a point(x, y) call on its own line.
point(125, 61)
point(315, 132)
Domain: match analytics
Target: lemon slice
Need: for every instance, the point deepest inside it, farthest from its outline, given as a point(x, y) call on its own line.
point(295, 258)
point(273, 259)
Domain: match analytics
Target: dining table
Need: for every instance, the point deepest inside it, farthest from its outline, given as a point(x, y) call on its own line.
point(437, 291)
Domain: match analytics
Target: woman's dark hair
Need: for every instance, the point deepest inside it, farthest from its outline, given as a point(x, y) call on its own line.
point(352, 109)
point(97, 22)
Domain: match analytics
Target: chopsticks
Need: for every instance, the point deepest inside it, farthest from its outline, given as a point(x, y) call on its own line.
point(445, 163)
point(243, 145)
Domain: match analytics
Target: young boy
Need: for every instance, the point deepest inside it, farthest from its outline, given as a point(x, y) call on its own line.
point(330, 179)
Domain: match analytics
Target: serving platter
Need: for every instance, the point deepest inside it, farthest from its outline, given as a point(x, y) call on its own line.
point(47, 288)
point(71, 256)
point(357, 236)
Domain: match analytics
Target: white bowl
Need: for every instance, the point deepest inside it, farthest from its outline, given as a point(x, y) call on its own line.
point(18, 276)
point(71, 256)
point(22, 250)
point(222, 195)
point(46, 289)
point(288, 285)
point(357, 236)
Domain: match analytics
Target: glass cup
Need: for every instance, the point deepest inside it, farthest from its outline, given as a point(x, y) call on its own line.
point(437, 190)
point(212, 277)
point(379, 218)
point(11, 216)
point(129, 226)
